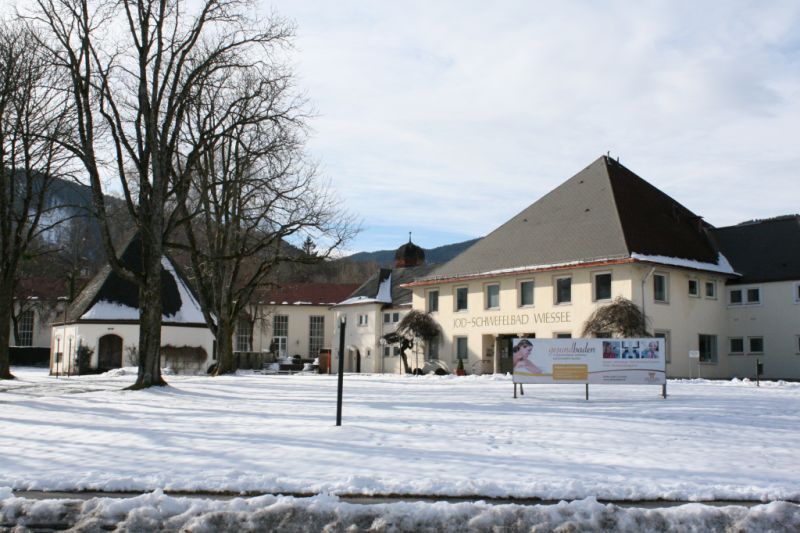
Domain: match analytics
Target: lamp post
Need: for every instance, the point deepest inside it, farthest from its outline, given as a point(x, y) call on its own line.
point(64, 299)
point(342, 326)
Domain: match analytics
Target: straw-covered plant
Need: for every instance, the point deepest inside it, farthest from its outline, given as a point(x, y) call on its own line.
point(620, 318)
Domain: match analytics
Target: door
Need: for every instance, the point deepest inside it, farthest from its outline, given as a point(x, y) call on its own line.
point(504, 353)
point(109, 352)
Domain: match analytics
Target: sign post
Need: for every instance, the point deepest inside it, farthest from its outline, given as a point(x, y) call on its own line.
point(640, 361)
point(694, 354)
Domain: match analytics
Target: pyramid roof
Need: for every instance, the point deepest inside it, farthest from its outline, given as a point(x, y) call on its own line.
point(604, 213)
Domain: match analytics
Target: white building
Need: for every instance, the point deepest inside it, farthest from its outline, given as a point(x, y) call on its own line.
point(287, 321)
point(105, 319)
point(375, 309)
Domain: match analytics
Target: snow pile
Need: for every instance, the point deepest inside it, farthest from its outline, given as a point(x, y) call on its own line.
point(158, 512)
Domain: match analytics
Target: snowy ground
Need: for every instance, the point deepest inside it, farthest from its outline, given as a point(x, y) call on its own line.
point(402, 435)
point(441, 436)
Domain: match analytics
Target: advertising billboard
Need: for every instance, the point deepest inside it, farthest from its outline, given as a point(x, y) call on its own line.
point(596, 361)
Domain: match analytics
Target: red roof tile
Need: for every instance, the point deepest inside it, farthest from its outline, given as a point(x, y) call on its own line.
point(307, 294)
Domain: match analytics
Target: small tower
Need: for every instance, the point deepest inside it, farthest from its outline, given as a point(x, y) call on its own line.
point(409, 255)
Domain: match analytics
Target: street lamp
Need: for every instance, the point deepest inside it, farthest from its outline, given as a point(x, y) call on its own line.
point(342, 326)
point(64, 299)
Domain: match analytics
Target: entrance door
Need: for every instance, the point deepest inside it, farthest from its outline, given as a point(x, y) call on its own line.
point(109, 352)
point(504, 354)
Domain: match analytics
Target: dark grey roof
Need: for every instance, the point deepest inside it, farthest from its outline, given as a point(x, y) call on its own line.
point(603, 212)
point(400, 295)
point(765, 250)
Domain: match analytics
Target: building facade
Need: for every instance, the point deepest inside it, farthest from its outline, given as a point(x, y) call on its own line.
point(288, 321)
point(375, 309)
point(605, 233)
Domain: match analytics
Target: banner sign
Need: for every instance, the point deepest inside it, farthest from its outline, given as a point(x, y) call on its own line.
point(600, 361)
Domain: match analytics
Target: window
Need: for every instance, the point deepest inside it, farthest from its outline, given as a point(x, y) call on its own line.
point(433, 301)
point(493, 296)
point(316, 335)
point(25, 328)
point(711, 289)
point(363, 320)
point(280, 334)
point(660, 288)
point(432, 349)
point(602, 286)
point(736, 345)
point(694, 288)
point(461, 348)
point(756, 344)
point(461, 298)
point(735, 297)
point(754, 296)
point(563, 335)
point(664, 334)
point(526, 293)
point(395, 317)
point(391, 350)
point(708, 348)
point(563, 290)
point(244, 335)
point(387, 317)
point(391, 318)
point(746, 296)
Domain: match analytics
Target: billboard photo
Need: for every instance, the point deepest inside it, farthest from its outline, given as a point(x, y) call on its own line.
point(600, 361)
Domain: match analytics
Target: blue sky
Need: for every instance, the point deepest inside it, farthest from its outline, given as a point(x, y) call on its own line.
point(446, 118)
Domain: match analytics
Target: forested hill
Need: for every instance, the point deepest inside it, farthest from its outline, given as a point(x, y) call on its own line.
point(440, 254)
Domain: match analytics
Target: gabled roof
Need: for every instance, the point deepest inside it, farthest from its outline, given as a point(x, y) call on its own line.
point(109, 298)
point(385, 286)
point(307, 294)
point(604, 213)
point(763, 250)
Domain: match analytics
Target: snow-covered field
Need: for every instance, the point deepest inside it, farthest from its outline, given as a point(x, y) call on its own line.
point(402, 435)
point(407, 435)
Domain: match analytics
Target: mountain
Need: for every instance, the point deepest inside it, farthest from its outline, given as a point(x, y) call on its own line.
point(440, 254)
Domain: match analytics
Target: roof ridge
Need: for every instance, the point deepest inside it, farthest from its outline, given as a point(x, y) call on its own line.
point(612, 192)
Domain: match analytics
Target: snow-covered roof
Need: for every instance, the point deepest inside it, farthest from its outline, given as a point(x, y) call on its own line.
point(109, 297)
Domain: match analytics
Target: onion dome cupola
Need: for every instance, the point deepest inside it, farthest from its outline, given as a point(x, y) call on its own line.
point(409, 255)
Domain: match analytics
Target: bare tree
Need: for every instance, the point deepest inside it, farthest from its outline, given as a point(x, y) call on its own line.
point(621, 317)
point(32, 117)
point(134, 68)
point(251, 190)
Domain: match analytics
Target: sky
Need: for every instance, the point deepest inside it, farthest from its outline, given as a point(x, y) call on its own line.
point(447, 118)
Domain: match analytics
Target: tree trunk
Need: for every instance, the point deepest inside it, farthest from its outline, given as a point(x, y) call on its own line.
point(404, 359)
point(6, 304)
point(224, 347)
point(150, 318)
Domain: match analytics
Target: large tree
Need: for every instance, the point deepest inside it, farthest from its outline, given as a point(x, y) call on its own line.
point(33, 119)
point(134, 67)
point(252, 192)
